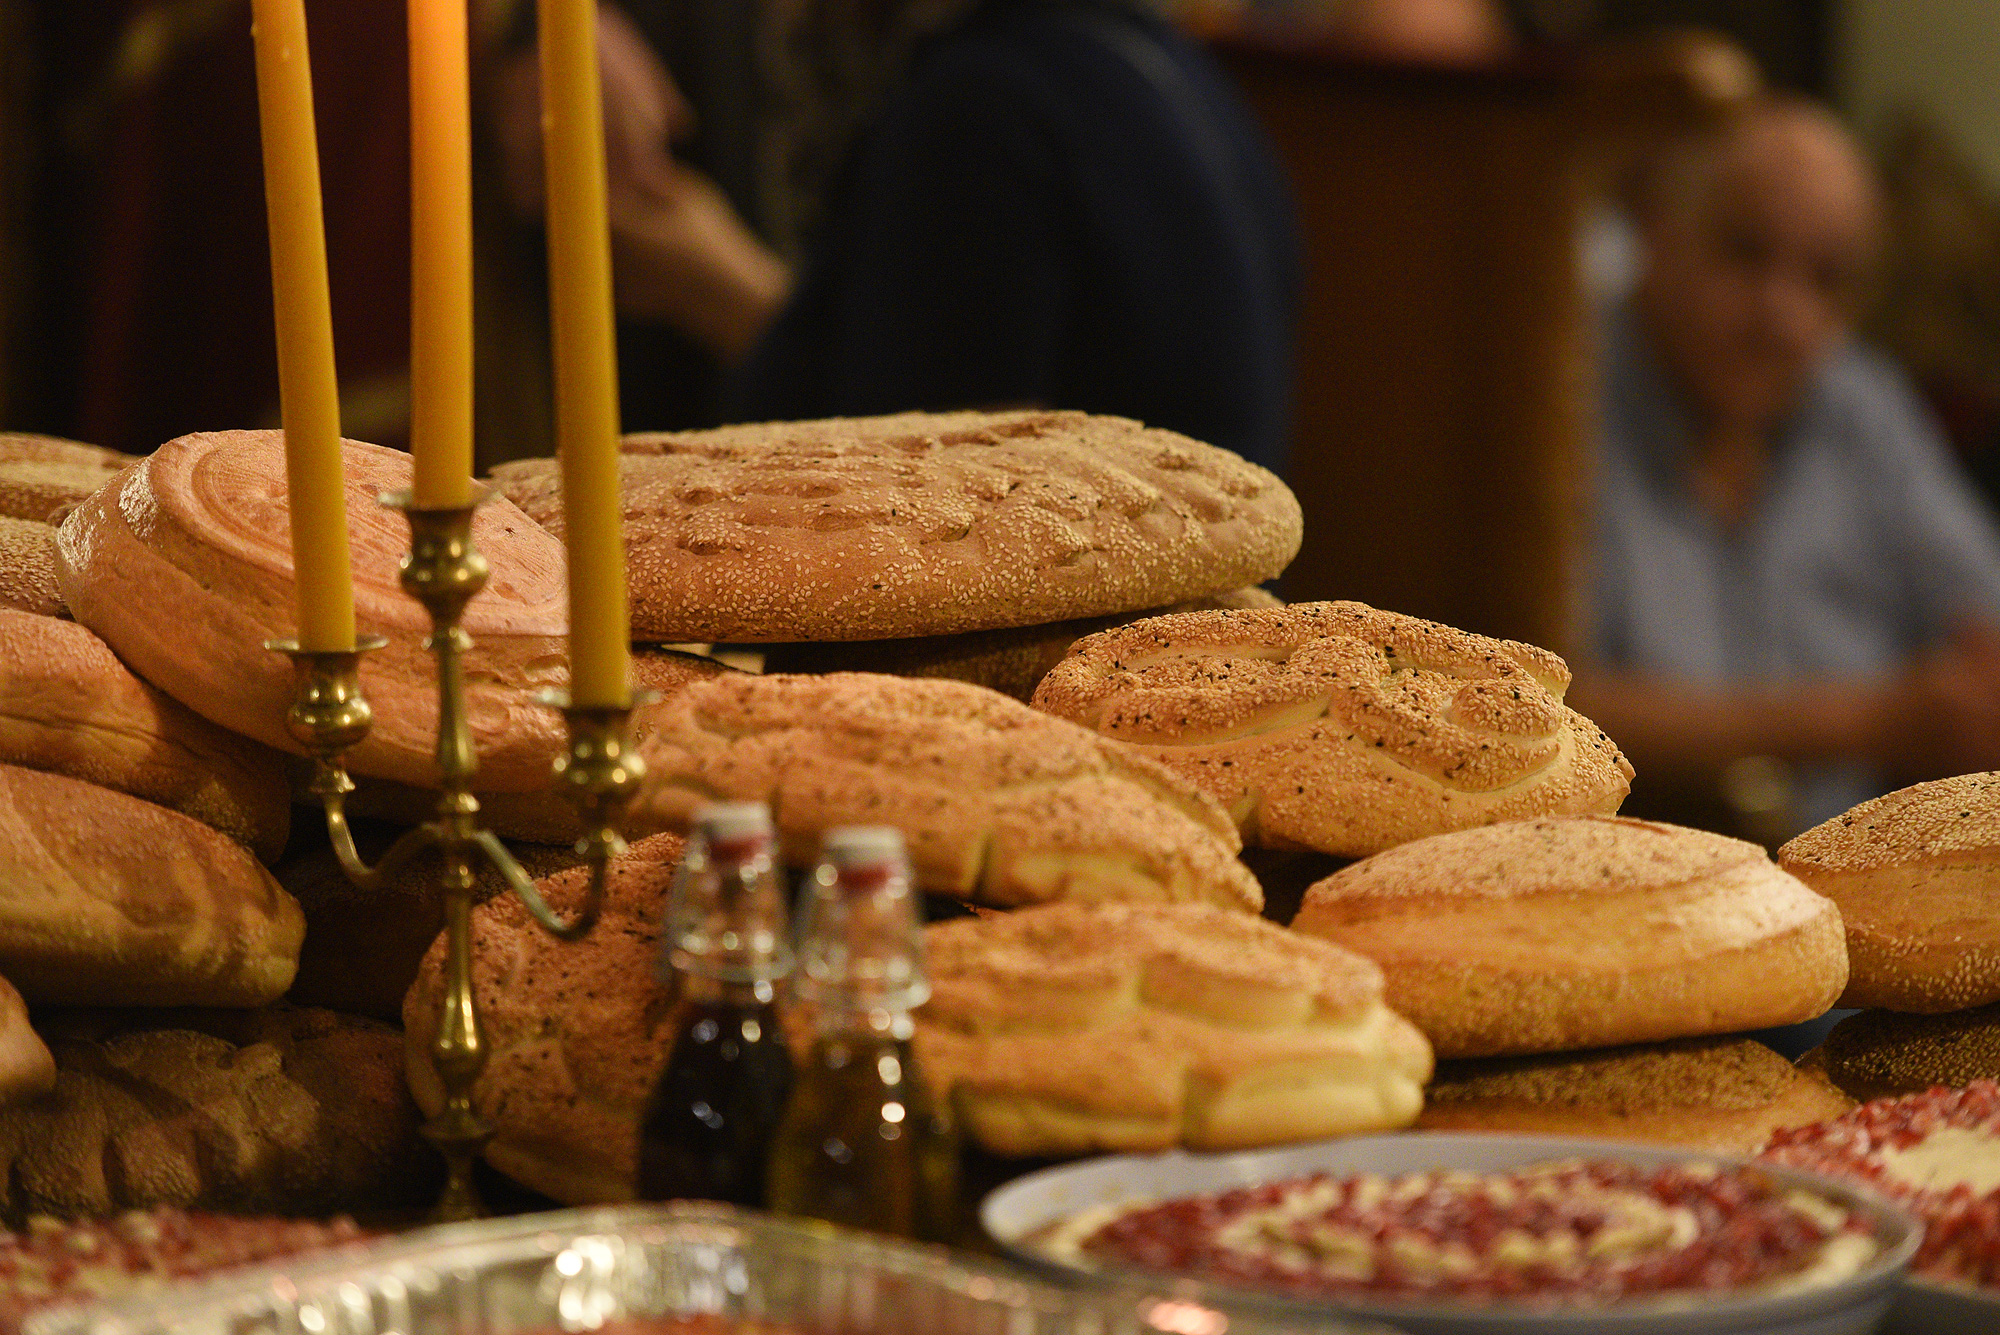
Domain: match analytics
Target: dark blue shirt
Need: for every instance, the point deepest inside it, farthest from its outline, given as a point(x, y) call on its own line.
point(1061, 204)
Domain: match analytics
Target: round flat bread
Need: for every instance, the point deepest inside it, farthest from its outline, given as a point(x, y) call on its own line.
point(28, 568)
point(68, 705)
point(578, 1030)
point(997, 803)
point(927, 524)
point(1879, 1054)
point(108, 900)
point(1070, 1029)
point(1721, 1094)
point(185, 569)
point(42, 475)
point(1340, 728)
point(1917, 876)
point(1583, 932)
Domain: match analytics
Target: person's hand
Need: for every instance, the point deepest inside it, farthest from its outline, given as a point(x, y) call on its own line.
point(644, 112)
point(1941, 715)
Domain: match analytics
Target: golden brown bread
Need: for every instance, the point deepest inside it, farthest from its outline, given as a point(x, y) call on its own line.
point(1012, 662)
point(27, 1070)
point(40, 475)
point(108, 900)
point(997, 802)
point(1583, 931)
point(1879, 1053)
point(926, 524)
point(68, 705)
point(1341, 728)
point(185, 569)
point(1070, 1028)
point(28, 568)
point(1721, 1094)
point(281, 1110)
point(578, 1031)
point(1917, 876)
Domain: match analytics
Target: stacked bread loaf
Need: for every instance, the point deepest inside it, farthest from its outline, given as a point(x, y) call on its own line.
point(1917, 876)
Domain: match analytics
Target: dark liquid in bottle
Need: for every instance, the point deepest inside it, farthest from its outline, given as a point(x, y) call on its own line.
point(706, 1134)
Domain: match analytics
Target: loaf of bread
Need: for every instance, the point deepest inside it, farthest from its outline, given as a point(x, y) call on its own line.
point(28, 568)
point(1012, 662)
point(27, 1070)
point(1725, 1095)
point(1582, 932)
point(284, 1110)
point(1917, 876)
point(40, 476)
point(1072, 1028)
point(1878, 1054)
point(997, 803)
point(68, 705)
point(578, 1031)
point(880, 528)
point(1343, 729)
point(185, 569)
point(108, 900)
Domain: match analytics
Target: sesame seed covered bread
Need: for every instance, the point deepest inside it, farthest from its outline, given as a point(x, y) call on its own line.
point(108, 900)
point(1877, 1054)
point(877, 528)
point(1583, 932)
point(578, 1031)
point(28, 568)
point(1073, 1028)
point(40, 475)
point(1340, 728)
point(996, 802)
point(26, 1069)
point(68, 705)
point(1721, 1094)
point(287, 1109)
point(185, 569)
point(1916, 873)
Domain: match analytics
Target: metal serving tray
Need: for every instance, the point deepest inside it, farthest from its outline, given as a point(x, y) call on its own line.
point(576, 1270)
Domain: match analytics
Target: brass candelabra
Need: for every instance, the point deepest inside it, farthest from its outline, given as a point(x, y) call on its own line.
point(598, 771)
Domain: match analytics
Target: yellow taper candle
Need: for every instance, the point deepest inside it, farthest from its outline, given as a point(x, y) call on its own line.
point(440, 256)
point(306, 386)
point(585, 353)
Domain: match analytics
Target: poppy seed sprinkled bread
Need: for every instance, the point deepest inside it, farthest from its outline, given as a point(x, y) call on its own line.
point(1916, 873)
point(1879, 1054)
point(1072, 1028)
point(28, 568)
point(926, 524)
point(1582, 932)
point(997, 802)
point(1343, 729)
point(41, 475)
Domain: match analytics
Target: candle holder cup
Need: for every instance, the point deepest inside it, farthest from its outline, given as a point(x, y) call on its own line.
point(599, 771)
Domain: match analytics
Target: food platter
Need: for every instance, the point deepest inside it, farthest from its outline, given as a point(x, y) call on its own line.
point(1017, 1213)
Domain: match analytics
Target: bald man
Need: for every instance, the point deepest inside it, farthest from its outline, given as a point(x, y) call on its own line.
point(1788, 562)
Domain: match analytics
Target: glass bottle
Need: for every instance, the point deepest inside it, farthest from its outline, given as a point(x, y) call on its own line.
point(706, 1131)
point(864, 1143)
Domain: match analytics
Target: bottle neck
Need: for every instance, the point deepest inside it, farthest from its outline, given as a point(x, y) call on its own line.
point(731, 928)
point(737, 994)
point(853, 1017)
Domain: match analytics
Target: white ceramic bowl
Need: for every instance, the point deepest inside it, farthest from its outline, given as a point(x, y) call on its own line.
point(1021, 1209)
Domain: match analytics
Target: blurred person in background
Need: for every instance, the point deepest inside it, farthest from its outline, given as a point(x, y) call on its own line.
point(1788, 562)
point(996, 203)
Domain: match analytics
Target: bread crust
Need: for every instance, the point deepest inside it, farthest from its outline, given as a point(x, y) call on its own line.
point(1882, 1054)
point(28, 568)
point(105, 899)
point(40, 476)
point(578, 1032)
point(285, 1110)
point(27, 1070)
point(1340, 728)
point(185, 568)
point(67, 705)
point(997, 803)
point(1725, 1095)
point(1070, 1028)
point(1916, 873)
point(926, 524)
point(1583, 931)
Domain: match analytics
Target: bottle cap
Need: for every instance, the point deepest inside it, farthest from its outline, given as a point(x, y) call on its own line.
point(734, 829)
point(854, 846)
